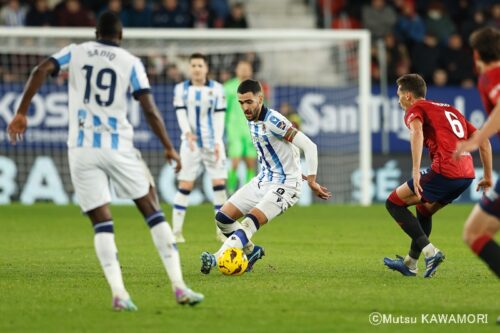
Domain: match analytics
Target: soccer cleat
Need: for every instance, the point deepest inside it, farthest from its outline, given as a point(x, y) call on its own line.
point(207, 262)
point(187, 296)
point(399, 265)
point(179, 238)
point(257, 253)
point(432, 263)
point(120, 304)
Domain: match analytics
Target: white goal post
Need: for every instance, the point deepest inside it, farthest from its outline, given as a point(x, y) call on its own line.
point(324, 75)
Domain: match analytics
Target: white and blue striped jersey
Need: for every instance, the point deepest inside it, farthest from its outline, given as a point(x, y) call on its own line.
point(279, 159)
point(100, 76)
point(201, 103)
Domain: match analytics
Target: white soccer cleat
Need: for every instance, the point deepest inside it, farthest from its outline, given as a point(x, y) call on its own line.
point(120, 304)
point(187, 296)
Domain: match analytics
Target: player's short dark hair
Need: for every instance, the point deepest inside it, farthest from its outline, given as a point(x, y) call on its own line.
point(109, 25)
point(486, 42)
point(250, 86)
point(413, 83)
point(198, 55)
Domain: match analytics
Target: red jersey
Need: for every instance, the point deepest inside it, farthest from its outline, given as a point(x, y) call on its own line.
point(489, 88)
point(443, 127)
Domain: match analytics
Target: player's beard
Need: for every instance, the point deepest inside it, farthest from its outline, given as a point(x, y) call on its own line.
point(254, 114)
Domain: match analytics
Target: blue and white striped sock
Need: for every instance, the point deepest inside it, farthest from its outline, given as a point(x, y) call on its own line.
point(181, 202)
point(220, 197)
point(241, 238)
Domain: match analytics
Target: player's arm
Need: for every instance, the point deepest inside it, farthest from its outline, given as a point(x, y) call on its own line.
point(417, 146)
point(219, 120)
point(310, 150)
point(486, 159)
point(182, 117)
point(157, 125)
point(37, 77)
point(491, 126)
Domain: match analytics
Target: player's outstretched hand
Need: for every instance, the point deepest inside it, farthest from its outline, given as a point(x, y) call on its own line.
point(320, 191)
point(16, 128)
point(172, 156)
point(484, 184)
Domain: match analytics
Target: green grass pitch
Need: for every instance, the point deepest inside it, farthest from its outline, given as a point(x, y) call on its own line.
point(323, 272)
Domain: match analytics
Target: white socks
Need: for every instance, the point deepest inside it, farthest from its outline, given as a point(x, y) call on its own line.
point(181, 202)
point(429, 250)
point(163, 239)
point(105, 248)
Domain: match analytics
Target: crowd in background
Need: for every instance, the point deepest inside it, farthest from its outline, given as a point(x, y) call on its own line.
point(133, 13)
point(429, 37)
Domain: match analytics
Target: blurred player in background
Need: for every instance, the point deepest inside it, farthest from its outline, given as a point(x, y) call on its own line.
point(439, 127)
point(239, 141)
point(200, 107)
point(100, 142)
point(484, 221)
point(276, 188)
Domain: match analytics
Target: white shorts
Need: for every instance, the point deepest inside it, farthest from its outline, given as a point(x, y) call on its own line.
point(270, 198)
point(193, 162)
point(92, 171)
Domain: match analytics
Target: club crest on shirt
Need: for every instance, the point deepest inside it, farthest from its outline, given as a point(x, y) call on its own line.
point(281, 125)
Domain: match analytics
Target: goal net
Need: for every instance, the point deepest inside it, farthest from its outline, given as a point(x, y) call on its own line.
point(323, 75)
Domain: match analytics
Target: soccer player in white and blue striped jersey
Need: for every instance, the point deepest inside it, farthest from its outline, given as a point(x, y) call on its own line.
point(101, 147)
point(200, 106)
point(278, 184)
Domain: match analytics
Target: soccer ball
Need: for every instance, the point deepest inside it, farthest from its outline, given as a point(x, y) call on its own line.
point(232, 262)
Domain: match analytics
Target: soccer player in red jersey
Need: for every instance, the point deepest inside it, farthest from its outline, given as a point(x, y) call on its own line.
point(484, 221)
point(439, 127)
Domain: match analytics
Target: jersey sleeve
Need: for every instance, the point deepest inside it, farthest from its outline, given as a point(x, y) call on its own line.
point(139, 82)
point(414, 113)
point(494, 94)
point(178, 97)
point(62, 58)
point(277, 124)
point(221, 103)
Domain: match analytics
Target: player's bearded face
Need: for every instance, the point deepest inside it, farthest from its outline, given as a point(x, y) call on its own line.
point(251, 105)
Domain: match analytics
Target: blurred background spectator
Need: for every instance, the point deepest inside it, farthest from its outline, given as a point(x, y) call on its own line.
point(139, 15)
point(71, 13)
point(13, 14)
point(39, 14)
point(171, 14)
point(236, 18)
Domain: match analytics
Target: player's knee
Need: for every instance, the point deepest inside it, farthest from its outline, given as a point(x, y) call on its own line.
point(393, 201)
point(471, 233)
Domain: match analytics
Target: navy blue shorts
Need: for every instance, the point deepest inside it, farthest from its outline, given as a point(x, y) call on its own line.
point(438, 188)
point(490, 202)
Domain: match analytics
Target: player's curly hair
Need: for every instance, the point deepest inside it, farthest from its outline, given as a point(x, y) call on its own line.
point(413, 83)
point(486, 42)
